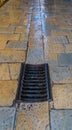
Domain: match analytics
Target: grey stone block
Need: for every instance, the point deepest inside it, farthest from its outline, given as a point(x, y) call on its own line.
point(17, 44)
point(35, 56)
point(46, 28)
point(7, 116)
point(61, 119)
point(60, 73)
point(61, 39)
point(65, 59)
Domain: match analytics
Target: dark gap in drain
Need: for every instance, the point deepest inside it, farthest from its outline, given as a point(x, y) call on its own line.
point(34, 84)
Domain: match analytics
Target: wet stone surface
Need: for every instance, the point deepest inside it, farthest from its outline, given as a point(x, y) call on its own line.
point(46, 25)
point(35, 56)
point(61, 119)
point(7, 116)
point(65, 59)
point(46, 28)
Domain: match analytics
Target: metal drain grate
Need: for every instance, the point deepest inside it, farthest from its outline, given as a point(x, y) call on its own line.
point(34, 85)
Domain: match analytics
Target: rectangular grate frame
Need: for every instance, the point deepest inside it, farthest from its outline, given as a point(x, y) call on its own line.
point(34, 84)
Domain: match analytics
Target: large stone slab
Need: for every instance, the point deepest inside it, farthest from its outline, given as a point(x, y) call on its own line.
point(35, 37)
point(61, 39)
point(65, 59)
point(8, 92)
point(18, 45)
point(7, 29)
point(9, 71)
point(21, 29)
point(33, 116)
point(68, 48)
point(57, 39)
point(61, 119)
point(51, 56)
point(7, 116)
point(14, 70)
point(59, 33)
point(8, 36)
point(62, 96)
point(4, 72)
point(61, 75)
point(35, 56)
point(46, 27)
point(53, 48)
point(12, 56)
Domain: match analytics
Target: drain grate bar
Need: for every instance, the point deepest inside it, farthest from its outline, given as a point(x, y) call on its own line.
point(34, 84)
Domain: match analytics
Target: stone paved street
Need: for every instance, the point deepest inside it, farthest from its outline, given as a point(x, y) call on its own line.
point(7, 118)
point(36, 32)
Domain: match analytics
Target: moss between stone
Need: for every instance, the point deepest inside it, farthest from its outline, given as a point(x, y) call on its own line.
point(2, 2)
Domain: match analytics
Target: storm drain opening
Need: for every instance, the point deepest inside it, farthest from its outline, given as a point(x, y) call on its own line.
point(34, 84)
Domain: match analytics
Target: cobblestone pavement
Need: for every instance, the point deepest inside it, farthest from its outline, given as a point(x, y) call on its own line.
point(36, 31)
